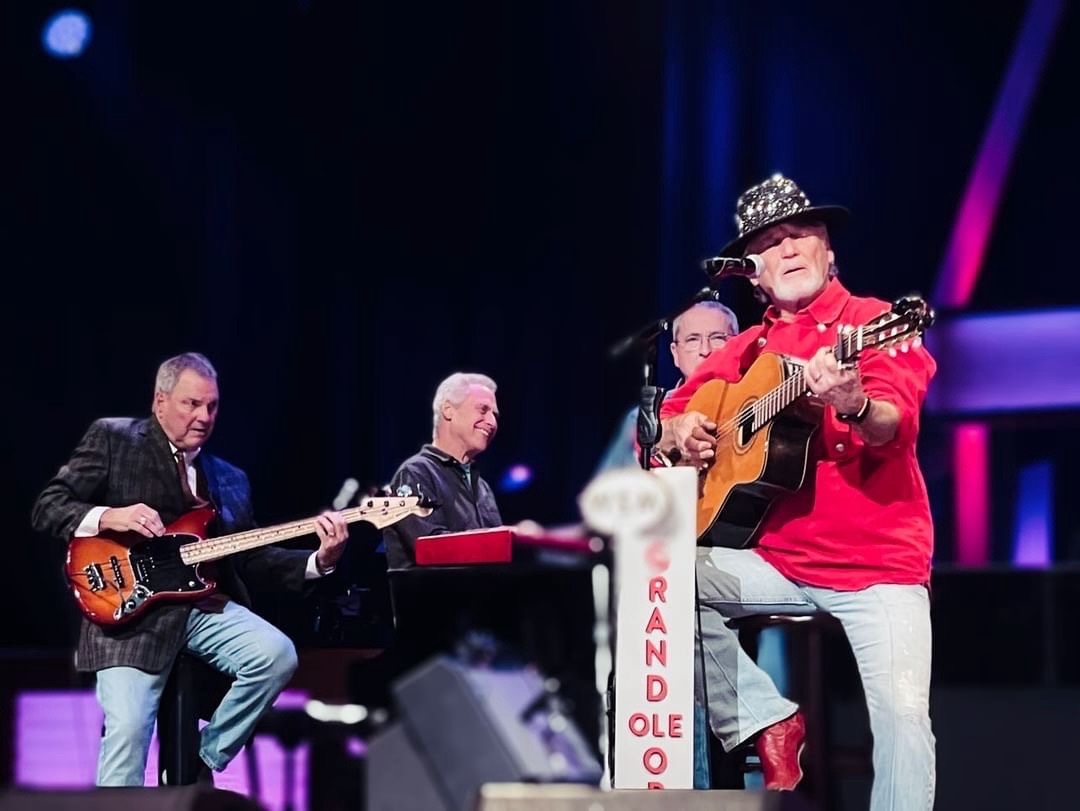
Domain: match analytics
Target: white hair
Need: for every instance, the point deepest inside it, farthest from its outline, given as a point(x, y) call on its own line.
point(169, 371)
point(454, 390)
point(712, 305)
point(763, 297)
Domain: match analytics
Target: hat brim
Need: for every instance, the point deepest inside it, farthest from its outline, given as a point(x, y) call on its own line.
point(831, 216)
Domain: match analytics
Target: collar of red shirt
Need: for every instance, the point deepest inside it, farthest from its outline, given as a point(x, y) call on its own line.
point(825, 309)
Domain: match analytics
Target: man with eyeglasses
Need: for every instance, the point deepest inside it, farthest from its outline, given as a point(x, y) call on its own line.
point(695, 334)
point(699, 332)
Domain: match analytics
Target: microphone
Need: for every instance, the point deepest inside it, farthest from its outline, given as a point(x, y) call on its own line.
point(751, 266)
point(346, 493)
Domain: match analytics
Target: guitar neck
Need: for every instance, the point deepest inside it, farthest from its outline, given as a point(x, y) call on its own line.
point(378, 512)
point(902, 326)
point(849, 346)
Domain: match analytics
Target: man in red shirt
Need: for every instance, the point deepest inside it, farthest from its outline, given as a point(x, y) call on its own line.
point(855, 540)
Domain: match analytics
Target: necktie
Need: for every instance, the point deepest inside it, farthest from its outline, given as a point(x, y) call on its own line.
point(213, 603)
point(192, 500)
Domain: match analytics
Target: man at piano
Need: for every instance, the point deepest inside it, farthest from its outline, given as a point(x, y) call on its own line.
point(465, 418)
point(854, 541)
point(138, 476)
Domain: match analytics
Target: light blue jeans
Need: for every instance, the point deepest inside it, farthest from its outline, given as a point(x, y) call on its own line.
point(888, 628)
point(234, 641)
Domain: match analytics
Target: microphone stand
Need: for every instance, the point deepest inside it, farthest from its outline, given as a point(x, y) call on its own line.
point(646, 340)
point(650, 398)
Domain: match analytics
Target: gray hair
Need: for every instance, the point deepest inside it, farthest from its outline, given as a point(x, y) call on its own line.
point(169, 371)
point(712, 305)
point(455, 389)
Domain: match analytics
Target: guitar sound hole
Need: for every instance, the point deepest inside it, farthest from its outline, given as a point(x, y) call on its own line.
point(745, 432)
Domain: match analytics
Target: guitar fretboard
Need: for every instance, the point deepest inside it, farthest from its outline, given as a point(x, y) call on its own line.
point(903, 325)
point(379, 512)
point(779, 398)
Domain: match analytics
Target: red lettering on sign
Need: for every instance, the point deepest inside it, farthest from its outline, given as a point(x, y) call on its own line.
point(654, 760)
point(657, 557)
point(655, 652)
point(639, 724)
point(655, 687)
point(674, 725)
point(657, 587)
point(656, 622)
point(653, 725)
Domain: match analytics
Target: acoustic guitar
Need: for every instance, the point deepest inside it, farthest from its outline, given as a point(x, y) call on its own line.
point(116, 576)
point(766, 421)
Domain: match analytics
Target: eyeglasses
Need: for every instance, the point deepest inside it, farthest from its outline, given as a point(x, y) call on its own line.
point(693, 341)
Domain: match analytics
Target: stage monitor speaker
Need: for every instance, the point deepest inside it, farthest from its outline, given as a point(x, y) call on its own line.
point(521, 797)
point(397, 776)
point(470, 726)
point(173, 798)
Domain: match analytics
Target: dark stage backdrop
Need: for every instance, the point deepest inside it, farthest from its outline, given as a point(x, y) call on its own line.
point(341, 203)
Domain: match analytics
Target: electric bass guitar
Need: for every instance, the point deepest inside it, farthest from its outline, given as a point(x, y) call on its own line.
point(116, 576)
point(765, 423)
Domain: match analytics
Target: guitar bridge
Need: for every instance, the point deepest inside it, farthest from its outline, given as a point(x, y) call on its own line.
point(95, 577)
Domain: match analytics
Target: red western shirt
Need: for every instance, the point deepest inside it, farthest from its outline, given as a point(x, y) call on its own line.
point(863, 517)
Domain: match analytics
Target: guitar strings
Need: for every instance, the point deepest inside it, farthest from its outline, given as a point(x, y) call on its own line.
point(777, 399)
point(240, 540)
point(793, 387)
point(225, 542)
point(768, 403)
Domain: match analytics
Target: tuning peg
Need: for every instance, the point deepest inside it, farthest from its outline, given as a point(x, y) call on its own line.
point(892, 351)
point(917, 342)
point(903, 346)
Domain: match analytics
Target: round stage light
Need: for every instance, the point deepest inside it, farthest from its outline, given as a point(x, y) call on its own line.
point(516, 478)
point(66, 33)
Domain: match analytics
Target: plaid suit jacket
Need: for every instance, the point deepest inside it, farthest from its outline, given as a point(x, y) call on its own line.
point(124, 461)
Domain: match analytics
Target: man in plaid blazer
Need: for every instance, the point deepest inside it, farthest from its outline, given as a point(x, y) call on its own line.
point(139, 475)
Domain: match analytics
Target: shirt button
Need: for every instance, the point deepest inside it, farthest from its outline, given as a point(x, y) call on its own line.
point(840, 447)
point(821, 328)
point(761, 341)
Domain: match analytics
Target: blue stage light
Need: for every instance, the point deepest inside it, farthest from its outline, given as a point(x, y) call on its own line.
point(516, 478)
point(66, 33)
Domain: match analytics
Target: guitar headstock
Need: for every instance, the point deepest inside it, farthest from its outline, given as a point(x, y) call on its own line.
point(900, 329)
point(425, 504)
point(424, 501)
point(382, 511)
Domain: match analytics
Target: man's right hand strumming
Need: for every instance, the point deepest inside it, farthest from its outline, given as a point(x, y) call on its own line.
point(689, 439)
